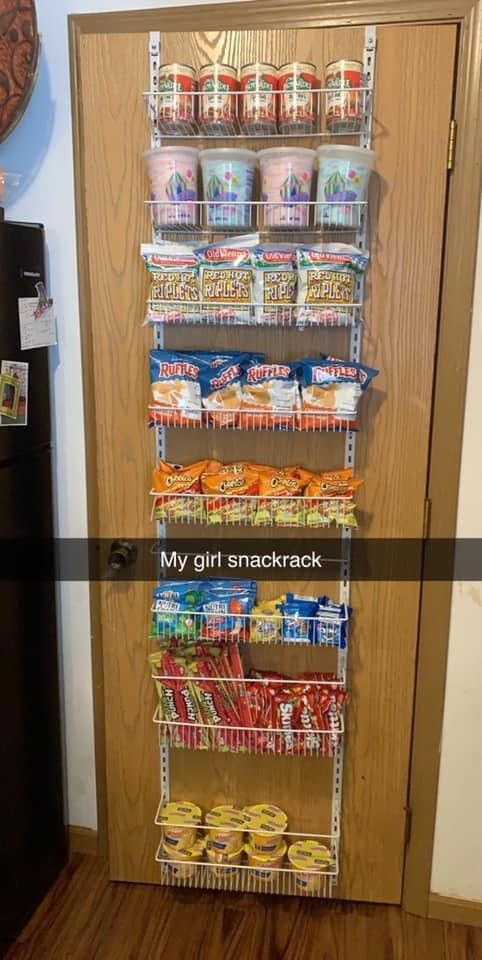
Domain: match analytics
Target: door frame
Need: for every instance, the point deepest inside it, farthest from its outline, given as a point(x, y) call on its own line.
point(458, 272)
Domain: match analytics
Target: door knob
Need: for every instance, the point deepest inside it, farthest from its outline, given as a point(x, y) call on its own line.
point(122, 554)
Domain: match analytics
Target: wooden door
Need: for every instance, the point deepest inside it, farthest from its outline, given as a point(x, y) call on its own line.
point(414, 78)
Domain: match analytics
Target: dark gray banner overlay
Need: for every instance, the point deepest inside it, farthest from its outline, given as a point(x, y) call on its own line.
point(290, 558)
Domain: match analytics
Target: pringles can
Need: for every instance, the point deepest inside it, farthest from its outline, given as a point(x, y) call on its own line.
point(218, 83)
point(258, 85)
point(176, 86)
point(297, 101)
point(344, 100)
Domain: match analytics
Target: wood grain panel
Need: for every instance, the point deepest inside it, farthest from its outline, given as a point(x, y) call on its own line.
point(392, 449)
point(400, 338)
point(86, 916)
point(116, 225)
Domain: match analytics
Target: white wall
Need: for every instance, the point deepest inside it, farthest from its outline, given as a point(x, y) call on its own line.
point(457, 864)
point(41, 148)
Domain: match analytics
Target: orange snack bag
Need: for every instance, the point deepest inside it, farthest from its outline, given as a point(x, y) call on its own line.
point(283, 482)
point(176, 478)
point(231, 480)
point(333, 483)
point(232, 488)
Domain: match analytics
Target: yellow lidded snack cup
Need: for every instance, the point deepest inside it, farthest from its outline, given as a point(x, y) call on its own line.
point(184, 863)
point(309, 858)
point(266, 825)
point(265, 863)
point(225, 835)
point(179, 821)
point(224, 864)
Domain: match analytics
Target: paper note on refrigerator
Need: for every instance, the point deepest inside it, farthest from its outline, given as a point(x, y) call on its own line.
point(37, 325)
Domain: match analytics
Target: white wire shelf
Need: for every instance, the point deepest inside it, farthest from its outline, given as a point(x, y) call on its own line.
point(257, 511)
point(305, 218)
point(213, 115)
point(222, 738)
point(247, 879)
point(323, 630)
point(300, 421)
point(178, 312)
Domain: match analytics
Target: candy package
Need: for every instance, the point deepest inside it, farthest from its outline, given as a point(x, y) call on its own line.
point(274, 283)
point(174, 604)
point(176, 390)
point(174, 283)
point(331, 623)
point(226, 613)
point(327, 282)
point(226, 279)
point(297, 624)
point(266, 621)
point(330, 391)
point(270, 394)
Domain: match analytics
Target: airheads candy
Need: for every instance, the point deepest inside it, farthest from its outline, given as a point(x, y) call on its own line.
point(174, 605)
point(327, 282)
point(330, 391)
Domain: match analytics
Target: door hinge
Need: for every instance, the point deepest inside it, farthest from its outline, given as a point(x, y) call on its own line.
point(451, 145)
point(408, 827)
point(427, 508)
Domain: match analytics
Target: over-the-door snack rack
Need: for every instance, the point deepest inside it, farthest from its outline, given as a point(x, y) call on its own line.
point(298, 743)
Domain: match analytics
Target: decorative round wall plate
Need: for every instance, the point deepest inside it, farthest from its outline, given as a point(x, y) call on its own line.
point(19, 55)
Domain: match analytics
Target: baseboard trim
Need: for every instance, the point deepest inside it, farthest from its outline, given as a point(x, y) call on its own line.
point(82, 840)
point(453, 910)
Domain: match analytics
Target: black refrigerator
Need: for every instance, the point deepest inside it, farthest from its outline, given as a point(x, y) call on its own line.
point(32, 831)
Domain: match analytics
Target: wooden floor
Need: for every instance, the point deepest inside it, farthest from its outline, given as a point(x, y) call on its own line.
point(87, 918)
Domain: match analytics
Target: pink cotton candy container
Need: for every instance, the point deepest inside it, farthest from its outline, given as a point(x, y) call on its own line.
point(286, 177)
point(173, 176)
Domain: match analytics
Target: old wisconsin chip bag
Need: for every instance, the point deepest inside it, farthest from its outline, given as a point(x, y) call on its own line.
point(174, 284)
point(175, 386)
point(274, 283)
point(327, 282)
point(330, 391)
point(270, 394)
point(226, 279)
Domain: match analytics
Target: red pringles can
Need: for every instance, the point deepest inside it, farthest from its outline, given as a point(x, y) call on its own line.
point(218, 83)
point(297, 99)
point(175, 110)
point(344, 99)
point(258, 85)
